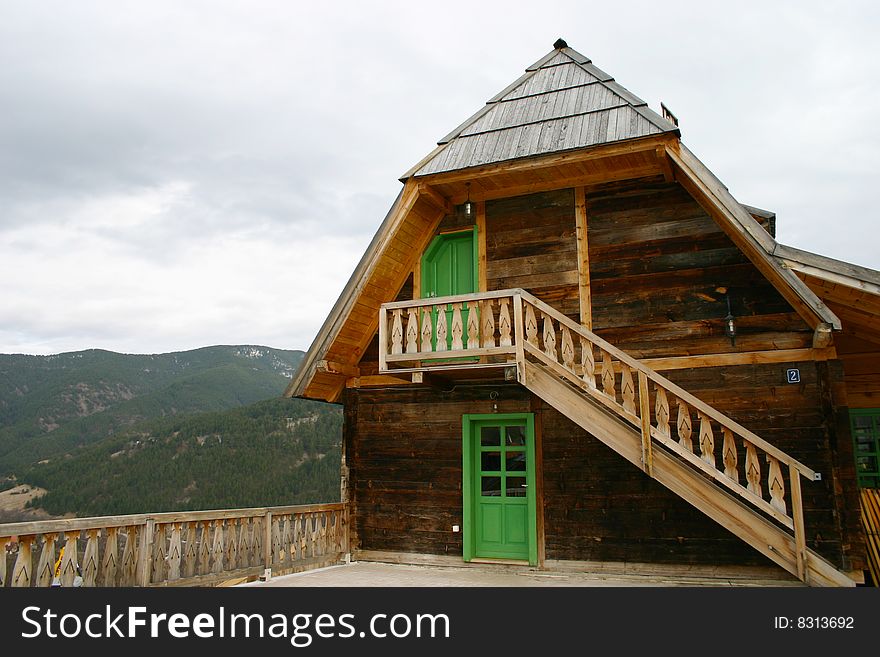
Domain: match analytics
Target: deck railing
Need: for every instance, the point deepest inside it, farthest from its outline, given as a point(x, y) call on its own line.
point(515, 325)
point(193, 548)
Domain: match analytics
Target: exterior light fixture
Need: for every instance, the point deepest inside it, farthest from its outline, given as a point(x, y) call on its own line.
point(468, 204)
point(730, 323)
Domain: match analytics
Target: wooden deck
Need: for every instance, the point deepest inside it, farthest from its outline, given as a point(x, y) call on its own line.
point(383, 574)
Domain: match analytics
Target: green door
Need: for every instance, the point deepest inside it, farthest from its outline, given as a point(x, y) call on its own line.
point(499, 487)
point(449, 266)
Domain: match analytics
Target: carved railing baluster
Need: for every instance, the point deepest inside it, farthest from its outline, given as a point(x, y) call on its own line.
point(175, 554)
point(295, 536)
point(728, 448)
point(217, 548)
point(110, 558)
point(157, 558)
point(661, 411)
point(244, 543)
point(488, 324)
point(46, 565)
point(531, 325)
point(504, 326)
point(276, 539)
point(627, 389)
point(567, 349)
point(69, 561)
point(457, 328)
point(550, 338)
point(753, 470)
point(287, 540)
point(204, 560)
point(412, 331)
point(310, 534)
point(90, 564)
point(232, 548)
point(473, 326)
point(707, 441)
point(685, 428)
point(776, 484)
point(608, 383)
point(256, 541)
point(588, 363)
point(21, 571)
point(128, 563)
point(442, 330)
point(427, 330)
point(396, 331)
point(190, 549)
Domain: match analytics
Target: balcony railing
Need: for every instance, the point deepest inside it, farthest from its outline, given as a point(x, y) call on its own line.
point(432, 332)
point(193, 548)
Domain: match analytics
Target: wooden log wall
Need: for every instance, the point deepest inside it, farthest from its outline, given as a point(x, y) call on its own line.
point(861, 363)
point(403, 446)
point(657, 261)
point(530, 243)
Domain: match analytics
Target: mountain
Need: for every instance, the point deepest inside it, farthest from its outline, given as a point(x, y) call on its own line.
point(51, 406)
point(274, 452)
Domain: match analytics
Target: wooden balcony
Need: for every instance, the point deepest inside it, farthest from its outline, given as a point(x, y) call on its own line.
point(468, 334)
point(193, 548)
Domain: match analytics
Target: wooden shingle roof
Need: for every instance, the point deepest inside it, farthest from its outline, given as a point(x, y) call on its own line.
point(562, 102)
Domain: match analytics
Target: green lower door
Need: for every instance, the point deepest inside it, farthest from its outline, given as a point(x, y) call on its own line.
point(499, 487)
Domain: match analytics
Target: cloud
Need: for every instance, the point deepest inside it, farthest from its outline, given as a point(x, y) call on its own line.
point(180, 174)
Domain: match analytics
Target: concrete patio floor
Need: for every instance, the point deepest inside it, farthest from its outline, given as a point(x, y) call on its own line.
point(377, 574)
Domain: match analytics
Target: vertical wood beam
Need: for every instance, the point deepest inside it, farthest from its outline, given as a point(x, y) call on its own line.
point(580, 215)
point(645, 416)
point(144, 562)
point(482, 281)
point(519, 338)
point(797, 515)
point(535, 407)
point(417, 279)
point(267, 540)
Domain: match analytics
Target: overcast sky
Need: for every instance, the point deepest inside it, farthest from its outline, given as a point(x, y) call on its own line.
point(176, 174)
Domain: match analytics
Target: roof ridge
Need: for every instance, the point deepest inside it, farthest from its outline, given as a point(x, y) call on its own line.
point(529, 109)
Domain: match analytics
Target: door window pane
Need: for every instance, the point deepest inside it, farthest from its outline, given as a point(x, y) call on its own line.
point(490, 486)
point(516, 462)
point(516, 487)
point(516, 435)
point(490, 461)
point(490, 436)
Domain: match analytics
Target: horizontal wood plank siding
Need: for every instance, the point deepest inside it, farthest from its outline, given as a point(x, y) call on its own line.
point(530, 243)
point(657, 261)
point(406, 463)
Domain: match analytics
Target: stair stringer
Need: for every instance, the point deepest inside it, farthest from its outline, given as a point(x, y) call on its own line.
point(745, 523)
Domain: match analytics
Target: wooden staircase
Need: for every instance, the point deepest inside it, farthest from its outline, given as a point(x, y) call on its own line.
point(622, 419)
point(732, 475)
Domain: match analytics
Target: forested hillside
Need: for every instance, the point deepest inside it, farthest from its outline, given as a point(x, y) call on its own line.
point(274, 452)
point(107, 433)
point(52, 405)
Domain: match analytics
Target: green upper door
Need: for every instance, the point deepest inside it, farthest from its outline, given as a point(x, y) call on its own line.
point(499, 486)
point(449, 266)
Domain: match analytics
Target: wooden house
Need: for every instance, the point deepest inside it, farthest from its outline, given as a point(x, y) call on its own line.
point(568, 344)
